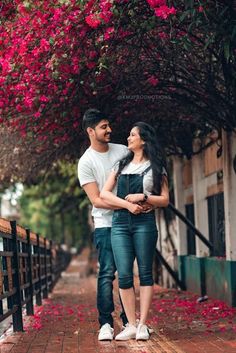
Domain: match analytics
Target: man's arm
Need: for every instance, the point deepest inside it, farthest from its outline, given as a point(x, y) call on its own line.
point(92, 192)
point(161, 200)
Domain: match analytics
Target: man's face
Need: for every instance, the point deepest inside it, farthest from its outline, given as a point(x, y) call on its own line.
point(102, 132)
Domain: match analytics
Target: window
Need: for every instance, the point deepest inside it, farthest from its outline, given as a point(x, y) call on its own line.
point(191, 239)
point(216, 219)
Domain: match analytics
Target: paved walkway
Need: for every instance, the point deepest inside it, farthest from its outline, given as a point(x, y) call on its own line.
point(67, 322)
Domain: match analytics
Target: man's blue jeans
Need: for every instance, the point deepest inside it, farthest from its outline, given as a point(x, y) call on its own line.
point(106, 276)
point(133, 236)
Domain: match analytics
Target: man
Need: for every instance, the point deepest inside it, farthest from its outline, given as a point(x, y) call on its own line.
point(93, 169)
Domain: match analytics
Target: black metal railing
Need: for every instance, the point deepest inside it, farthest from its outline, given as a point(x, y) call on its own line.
point(30, 265)
point(190, 225)
point(196, 233)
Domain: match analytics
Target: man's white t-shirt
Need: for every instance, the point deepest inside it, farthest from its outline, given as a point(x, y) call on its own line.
point(95, 166)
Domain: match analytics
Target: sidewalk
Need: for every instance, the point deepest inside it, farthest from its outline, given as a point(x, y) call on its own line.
point(67, 322)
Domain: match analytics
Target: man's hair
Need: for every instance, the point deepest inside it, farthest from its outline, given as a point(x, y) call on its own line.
point(91, 118)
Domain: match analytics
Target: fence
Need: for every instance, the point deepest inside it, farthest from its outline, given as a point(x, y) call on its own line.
point(30, 265)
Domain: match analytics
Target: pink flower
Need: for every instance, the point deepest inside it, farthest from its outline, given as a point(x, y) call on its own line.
point(164, 11)
point(43, 99)
point(23, 133)
point(37, 326)
point(156, 3)
point(181, 34)
point(106, 16)
point(92, 54)
point(200, 9)
point(91, 65)
point(57, 14)
point(123, 33)
point(163, 35)
point(75, 124)
point(92, 21)
point(2, 80)
point(89, 6)
point(108, 33)
point(19, 108)
point(37, 115)
point(44, 44)
point(6, 68)
point(153, 80)
point(28, 102)
point(105, 5)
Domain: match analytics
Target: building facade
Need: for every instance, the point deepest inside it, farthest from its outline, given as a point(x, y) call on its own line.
point(205, 192)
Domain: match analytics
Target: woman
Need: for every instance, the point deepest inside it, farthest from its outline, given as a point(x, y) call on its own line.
point(140, 178)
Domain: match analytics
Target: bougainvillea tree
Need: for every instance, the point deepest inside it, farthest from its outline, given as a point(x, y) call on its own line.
point(171, 63)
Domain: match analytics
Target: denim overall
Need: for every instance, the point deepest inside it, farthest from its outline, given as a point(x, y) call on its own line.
point(133, 235)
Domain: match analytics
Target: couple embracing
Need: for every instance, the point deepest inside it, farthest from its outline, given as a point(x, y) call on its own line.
point(124, 185)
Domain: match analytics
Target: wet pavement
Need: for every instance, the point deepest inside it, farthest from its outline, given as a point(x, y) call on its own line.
point(67, 321)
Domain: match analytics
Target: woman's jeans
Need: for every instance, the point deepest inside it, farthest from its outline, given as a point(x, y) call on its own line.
point(133, 236)
point(106, 275)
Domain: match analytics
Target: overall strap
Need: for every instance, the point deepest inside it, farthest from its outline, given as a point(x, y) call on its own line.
point(146, 170)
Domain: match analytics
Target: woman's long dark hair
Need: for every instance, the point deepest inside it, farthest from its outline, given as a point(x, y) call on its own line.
point(152, 151)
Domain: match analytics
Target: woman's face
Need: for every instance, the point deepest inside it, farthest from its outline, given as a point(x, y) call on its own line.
point(134, 140)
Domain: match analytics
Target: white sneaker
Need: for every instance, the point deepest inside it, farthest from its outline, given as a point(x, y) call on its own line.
point(106, 333)
point(142, 332)
point(126, 334)
point(150, 329)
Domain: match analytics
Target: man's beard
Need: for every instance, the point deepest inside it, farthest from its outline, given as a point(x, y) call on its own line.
point(103, 140)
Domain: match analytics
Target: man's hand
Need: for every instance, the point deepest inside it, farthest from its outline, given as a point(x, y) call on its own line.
point(135, 208)
point(138, 199)
point(134, 198)
point(93, 194)
point(147, 207)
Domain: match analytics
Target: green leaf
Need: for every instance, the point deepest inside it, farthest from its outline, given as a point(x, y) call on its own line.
point(209, 41)
point(51, 40)
point(27, 4)
point(191, 26)
point(183, 16)
point(115, 12)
